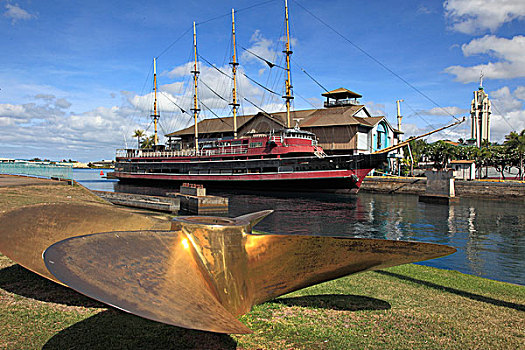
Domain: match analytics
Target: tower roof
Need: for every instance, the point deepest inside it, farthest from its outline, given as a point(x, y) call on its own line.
point(341, 93)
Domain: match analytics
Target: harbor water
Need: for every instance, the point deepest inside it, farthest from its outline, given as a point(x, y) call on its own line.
point(488, 234)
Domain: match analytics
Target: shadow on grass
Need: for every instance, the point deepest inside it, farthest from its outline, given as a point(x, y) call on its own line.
point(336, 302)
point(113, 329)
point(18, 280)
point(462, 293)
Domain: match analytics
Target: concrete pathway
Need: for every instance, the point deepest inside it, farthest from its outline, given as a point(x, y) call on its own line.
point(14, 180)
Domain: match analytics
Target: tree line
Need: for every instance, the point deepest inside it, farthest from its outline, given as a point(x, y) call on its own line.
point(502, 157)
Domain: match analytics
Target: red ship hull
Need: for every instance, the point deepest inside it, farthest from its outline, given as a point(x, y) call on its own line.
point(305, 175)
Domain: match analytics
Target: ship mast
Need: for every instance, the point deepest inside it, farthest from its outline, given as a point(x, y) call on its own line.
point(234, 65)
point(195, 108)
point(288, 97)
point(155, 116)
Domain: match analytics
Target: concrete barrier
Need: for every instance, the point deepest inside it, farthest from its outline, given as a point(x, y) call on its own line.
point(416, 185)
point(403, 185)
point(440, 187)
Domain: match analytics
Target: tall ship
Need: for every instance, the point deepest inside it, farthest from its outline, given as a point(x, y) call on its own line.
point(281, 157)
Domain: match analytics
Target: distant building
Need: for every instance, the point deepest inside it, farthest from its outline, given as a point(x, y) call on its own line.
point(105, 163)
point(344, 126)
point(463, 169)
point(480, 112)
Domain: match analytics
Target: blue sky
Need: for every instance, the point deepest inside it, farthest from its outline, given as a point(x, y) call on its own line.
point(75, 77)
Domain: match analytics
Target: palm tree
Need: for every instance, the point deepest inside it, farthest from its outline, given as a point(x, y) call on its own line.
point(418, 149)
point(138, 134)
point(441, 152)
point(148, 142)
point(515, 144)
point(499, 159)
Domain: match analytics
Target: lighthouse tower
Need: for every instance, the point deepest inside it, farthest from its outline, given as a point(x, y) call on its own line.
point(480, 114)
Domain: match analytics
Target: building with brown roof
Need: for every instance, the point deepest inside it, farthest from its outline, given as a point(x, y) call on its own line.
point(343, 127)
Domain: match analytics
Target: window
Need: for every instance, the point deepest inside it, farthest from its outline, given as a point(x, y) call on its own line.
point(382, 136)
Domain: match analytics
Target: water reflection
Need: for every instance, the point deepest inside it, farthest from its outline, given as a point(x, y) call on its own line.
point(489, 234)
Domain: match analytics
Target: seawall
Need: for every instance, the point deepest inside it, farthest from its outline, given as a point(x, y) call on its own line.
point(416, 185)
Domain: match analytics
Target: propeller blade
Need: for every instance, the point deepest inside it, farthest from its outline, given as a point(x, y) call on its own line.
point(208, 270)
point(27, 231)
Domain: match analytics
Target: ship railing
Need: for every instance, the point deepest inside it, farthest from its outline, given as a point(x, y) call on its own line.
point(340, 103)
point(138, 153)
point(122, 152)
point(229, 150)
point(167, 154)
point(298, 136)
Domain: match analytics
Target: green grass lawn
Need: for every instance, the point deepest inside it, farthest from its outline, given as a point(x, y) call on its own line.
point(406, 307)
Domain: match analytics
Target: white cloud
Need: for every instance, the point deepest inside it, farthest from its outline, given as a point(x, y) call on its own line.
point(316, 102)
point(473, 16)
point(5, 121)
point(503, 125)
point(504, 102)
point(375, 109)
point(422, 9)
point(508, 52)
point(62, 103)
point(28, 112)
point(261, 47)
point(44, 126)
point(411, 129)
point(181, 70)
point(454, 133)
point(293, 42)
point(11, 111)
point(444, 111)
point(47, 97)
point(144, 103)
point(16, 13)
point(520, 92)
point(507, 112)
point(173, 88)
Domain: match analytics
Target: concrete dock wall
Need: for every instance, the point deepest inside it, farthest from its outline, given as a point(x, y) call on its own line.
point(416, 185)
point(165, 204)
point(506, 190)
point(405, 185)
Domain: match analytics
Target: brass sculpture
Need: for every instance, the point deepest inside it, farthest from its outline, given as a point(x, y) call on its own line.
point(27, 231)
point(207, 271)
point(195, 272)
